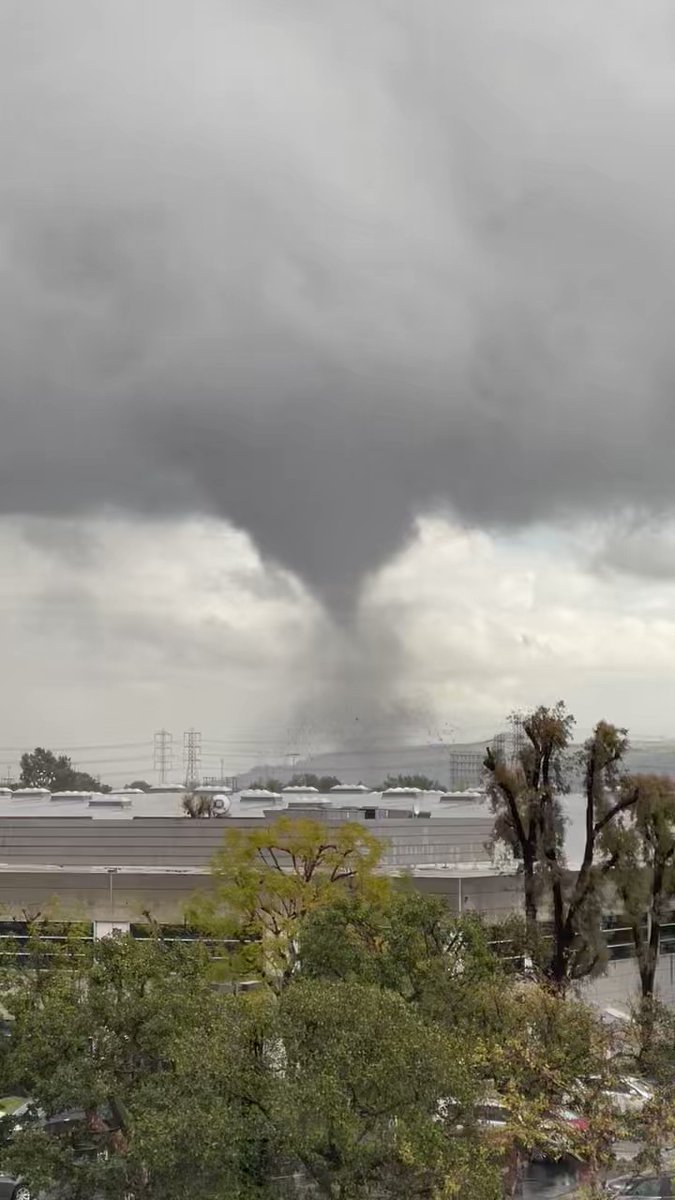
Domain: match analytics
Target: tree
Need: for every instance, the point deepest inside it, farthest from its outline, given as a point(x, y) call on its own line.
point(645, 875)
point(533, 1050)
point(421, 783)
point(362, 1102)
point(405, 941)
point(265, 880)
point(197, 806)
point(578, 944)
point(110, 1032)
point(547, 1053)
point(188, 1091)
point(138, 785)
point(362, 1085)
point(524, 795)
point(45, 769)
point(528, 818)
point(322, 783)
point(267, 785)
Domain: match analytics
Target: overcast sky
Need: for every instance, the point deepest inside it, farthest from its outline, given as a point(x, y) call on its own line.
point(337, 367)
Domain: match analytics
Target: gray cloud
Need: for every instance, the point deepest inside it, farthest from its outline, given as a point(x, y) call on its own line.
point(317, 269)
point(639, 549)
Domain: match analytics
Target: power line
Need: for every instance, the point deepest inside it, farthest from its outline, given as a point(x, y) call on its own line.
point(100, 746)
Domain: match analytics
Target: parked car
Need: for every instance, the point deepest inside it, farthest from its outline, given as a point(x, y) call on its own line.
point(85, 1143)
point(12, 1188)
point(634, 1187)
point(642, 1187)
point(628, 1095)
point(13, 1109)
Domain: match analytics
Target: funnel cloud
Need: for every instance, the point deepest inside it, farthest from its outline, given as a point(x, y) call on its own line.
point(319, 269)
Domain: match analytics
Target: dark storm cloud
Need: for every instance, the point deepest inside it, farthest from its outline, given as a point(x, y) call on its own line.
point(317, 268)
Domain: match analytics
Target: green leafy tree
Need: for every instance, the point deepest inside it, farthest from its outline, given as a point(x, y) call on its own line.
point(138, 785)
point(546, 1053)
point(533, 1051)
point(188, 1091)
point(267, 785)
point(404, 941)
point(369, 1083)
point(266, 879)
point(43, 768)
point(365, 1080)
point(109, 1033)
point(420, 782)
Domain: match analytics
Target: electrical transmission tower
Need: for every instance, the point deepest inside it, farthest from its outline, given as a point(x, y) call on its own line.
point(466, 769)
point(192, 756)
point(518, 738)
point(163, 754)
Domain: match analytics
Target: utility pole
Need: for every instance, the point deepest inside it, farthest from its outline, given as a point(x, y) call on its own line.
point(192, 756)
point(163, 754)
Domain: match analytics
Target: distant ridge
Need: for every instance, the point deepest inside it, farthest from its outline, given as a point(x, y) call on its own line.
point(372, 765)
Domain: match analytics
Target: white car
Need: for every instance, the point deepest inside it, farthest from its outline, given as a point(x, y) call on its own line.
point(629, 1095)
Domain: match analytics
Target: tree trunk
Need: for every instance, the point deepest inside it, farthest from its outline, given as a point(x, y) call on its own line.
point(530, 889)
point(563, 939)
point(648, 970)
point(653, 944)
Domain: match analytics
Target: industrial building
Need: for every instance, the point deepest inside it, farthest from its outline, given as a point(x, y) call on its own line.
point(121, 860)
point(118, 859)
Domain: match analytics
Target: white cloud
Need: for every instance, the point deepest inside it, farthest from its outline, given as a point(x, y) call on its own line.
point(492, 623)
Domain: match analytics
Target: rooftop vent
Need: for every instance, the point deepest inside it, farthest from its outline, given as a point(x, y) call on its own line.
point(312, 802)
point(110, 801)
point(221, 805)
point(353, 788)
point(71, 797)
point(258, 795)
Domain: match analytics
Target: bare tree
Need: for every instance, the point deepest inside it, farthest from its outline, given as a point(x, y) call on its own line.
point(525, 794)
point(645, 877)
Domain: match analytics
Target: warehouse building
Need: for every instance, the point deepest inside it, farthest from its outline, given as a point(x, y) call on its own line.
point(125, 860)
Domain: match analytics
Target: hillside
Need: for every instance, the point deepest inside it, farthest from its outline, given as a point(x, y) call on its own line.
point(452, 765)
